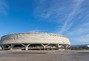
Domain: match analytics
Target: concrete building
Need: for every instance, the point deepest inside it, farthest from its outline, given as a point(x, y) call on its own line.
point(34, 41)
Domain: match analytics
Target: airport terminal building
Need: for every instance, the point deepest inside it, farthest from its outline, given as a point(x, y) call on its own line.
point(34, 41)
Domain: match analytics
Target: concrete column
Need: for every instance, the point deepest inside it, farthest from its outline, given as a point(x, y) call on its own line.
point(66, 46)
point(11, 47)
point(26, 46)
point(2, 47)
point(44, 45)
point(57, 46)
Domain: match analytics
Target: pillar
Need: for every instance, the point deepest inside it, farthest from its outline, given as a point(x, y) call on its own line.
point(2, 47)
point(44, 45)
point(26, 46)
point(57, 46)
point(11, 47)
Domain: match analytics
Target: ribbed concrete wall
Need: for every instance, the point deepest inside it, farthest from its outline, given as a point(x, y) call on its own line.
point(34, 38)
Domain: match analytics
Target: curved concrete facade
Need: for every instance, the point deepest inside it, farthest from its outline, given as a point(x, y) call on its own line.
point(34, 38)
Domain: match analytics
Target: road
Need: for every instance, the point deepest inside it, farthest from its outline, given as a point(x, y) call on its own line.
point(54, 55)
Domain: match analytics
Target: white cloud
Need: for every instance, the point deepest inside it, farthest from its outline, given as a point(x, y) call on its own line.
point(82, 39)
point(3, 7)
point(72, 17)
point(72, 14)
point(51, 10)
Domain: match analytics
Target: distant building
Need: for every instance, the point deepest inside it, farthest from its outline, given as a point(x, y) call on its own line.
point(80, 47)
point(34, 41)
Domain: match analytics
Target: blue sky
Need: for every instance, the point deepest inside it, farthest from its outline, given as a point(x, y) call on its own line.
point(65, 17)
